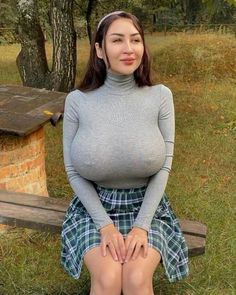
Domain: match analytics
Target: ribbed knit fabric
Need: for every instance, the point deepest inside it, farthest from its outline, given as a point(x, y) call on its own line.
point(119, 136)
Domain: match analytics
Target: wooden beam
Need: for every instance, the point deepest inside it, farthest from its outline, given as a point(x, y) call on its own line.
point(196, 245)
point(47, 214)
point(35, 201)
point(193, 228)
point(29, 217)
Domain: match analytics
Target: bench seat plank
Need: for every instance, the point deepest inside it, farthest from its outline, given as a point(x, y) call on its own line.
point(28, 217)
point(194, 228)
point(196, 245)
point(47, 214)
point(35, 201)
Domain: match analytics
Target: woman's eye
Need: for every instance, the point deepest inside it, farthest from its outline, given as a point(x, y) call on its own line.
point(117, 40)
point(136, 40)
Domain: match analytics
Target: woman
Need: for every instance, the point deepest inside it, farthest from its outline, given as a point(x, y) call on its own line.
point(118, 138)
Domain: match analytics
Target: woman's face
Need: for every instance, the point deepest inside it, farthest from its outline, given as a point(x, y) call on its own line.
point(124, 47)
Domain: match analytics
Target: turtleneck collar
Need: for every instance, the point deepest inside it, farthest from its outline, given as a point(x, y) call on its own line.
point(118, 83)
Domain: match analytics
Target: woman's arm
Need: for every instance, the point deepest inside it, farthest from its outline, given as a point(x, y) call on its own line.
point(157, 183)
point(82, 187)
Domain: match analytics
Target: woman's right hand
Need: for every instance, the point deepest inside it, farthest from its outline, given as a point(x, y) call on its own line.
point(113, 239)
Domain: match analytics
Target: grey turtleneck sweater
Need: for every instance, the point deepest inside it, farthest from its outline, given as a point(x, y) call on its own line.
point(119, 136)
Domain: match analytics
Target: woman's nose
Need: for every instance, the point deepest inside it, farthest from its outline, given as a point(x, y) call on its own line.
point(128, 47)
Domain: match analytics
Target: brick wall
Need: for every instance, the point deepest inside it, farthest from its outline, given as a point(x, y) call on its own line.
point(22, 164)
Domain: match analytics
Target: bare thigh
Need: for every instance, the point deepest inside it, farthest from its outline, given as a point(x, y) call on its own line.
point(93, 258)
point(140, 271)
point(149, 263)
point(105, 273)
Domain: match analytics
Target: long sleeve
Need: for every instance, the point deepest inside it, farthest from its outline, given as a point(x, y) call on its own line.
point(157, 182)
point(82, 187)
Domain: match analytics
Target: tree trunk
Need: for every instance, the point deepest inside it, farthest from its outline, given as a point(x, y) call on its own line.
point(185, 5)
point(32, 60)
point(88, 18)
point(154, 21)
point(64, 45)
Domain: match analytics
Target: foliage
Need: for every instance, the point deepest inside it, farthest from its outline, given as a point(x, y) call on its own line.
point(219, 11)
point(156, 15)
point(7, 21)
point(7, 13)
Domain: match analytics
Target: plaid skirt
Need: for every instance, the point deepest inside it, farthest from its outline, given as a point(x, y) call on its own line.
point(79, 233)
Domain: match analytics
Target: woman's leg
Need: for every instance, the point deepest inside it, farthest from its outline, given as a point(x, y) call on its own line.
point(105, 273)
point(137, 275)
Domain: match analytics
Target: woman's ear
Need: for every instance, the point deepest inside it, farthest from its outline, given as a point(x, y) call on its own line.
point(98, 50)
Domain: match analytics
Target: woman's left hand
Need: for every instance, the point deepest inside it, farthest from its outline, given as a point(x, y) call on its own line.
point(135, 241)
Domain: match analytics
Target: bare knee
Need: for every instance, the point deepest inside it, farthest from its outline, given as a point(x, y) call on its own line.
point(107, 281)
point(137, 275)
point(137, 282)
point(105, 273)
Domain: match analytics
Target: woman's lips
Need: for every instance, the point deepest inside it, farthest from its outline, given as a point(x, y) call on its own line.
point(128, 61)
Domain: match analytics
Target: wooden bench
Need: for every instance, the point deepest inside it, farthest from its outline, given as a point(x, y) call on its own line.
point(46, 214)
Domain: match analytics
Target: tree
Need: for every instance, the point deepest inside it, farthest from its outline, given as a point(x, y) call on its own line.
point(158, 13)
point(190, 10)
point(83, 17)
point(219, 11)
point(32, 60)
point(90, 7)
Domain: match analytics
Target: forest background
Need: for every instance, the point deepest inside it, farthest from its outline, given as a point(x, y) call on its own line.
point(156, 15)
point(64, 23)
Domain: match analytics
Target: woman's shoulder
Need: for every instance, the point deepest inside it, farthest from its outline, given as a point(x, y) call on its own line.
point(161, 88)
point(74, 95)
point(162, 91)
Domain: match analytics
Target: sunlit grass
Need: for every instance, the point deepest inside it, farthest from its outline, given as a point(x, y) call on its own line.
point(201, 186)
point(8, 69)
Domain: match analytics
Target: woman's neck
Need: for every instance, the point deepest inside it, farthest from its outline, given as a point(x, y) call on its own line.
point(119, 83)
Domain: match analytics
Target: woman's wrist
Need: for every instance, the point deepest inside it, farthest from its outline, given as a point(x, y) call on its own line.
point(140, 229)
point(110, 225)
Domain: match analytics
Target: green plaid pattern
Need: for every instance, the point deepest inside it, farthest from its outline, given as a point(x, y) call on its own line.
point(79, 233)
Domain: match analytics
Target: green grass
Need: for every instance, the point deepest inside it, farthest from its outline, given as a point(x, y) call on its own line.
point(201, 186)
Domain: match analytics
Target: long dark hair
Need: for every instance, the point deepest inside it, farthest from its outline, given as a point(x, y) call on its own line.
point(95, 73)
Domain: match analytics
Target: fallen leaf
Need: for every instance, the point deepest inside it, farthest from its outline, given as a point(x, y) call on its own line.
point(47, 113)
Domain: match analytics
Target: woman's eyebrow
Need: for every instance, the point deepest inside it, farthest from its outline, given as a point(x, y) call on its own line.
point(122, 35)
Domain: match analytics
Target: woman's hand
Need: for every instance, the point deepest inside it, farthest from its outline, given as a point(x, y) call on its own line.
point(134, 242)
point(113, 239)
